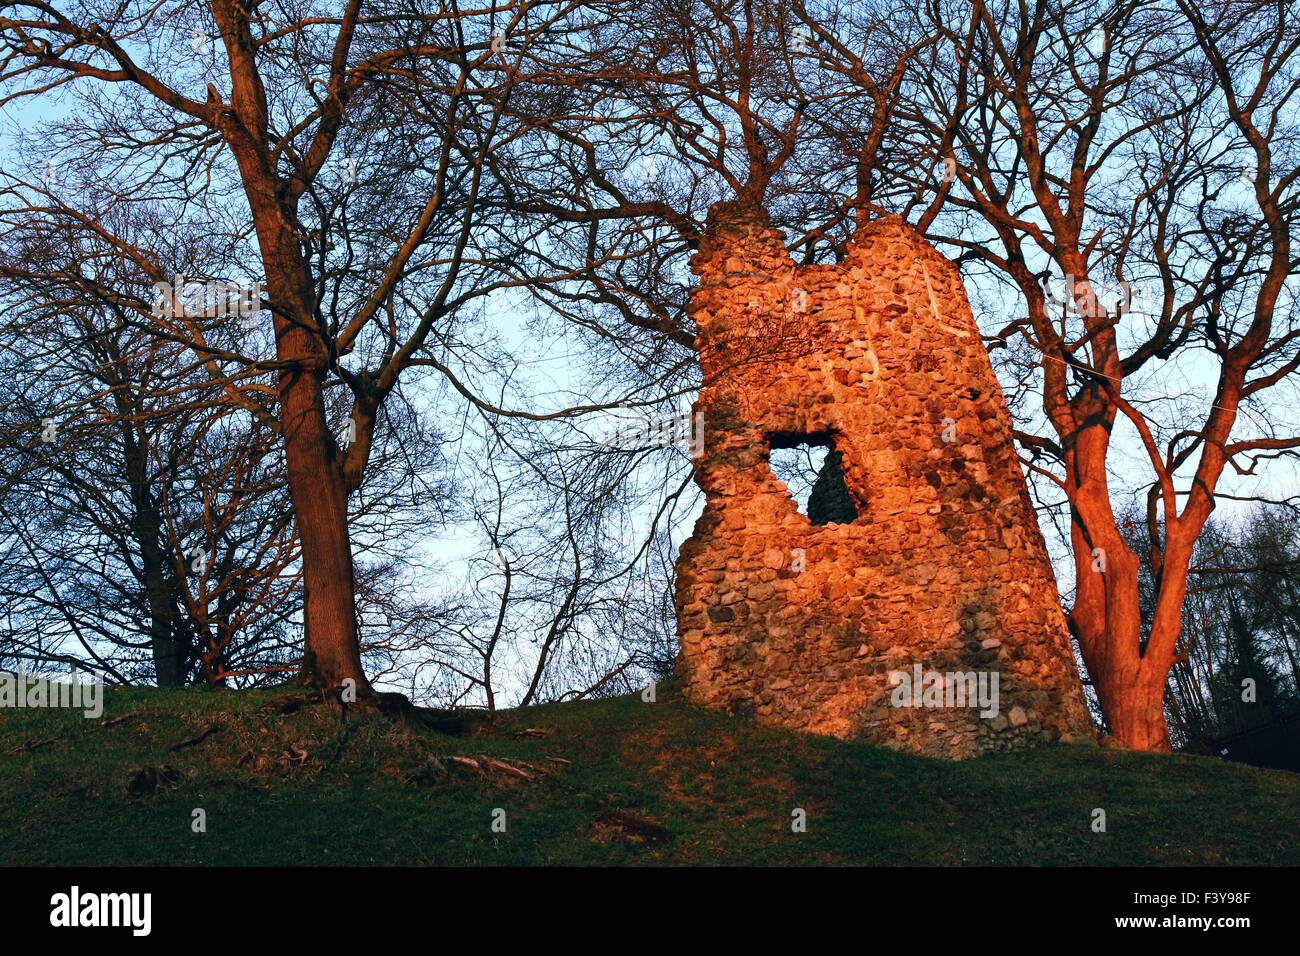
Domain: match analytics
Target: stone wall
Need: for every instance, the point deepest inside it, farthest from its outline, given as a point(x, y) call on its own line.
point(944, 570)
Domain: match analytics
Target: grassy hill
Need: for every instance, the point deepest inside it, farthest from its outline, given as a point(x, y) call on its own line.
point(285, 779)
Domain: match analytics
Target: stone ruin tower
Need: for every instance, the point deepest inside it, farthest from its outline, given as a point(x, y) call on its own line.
point(944, 569)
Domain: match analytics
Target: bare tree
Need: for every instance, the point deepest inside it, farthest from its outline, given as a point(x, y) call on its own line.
point(144, 512)
point(352, 141)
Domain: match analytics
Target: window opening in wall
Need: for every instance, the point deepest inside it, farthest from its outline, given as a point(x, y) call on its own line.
point(812, 471)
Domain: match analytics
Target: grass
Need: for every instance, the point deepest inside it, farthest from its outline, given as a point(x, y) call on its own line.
point(616, 781)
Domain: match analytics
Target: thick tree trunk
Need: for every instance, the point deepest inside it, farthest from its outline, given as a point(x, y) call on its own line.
point(1106, 617)
point(1130, 681)
point(332, 653)
point(317, 485)
point(1137, 715)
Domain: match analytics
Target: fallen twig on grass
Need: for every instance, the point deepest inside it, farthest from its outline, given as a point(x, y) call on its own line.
point(500, 766)
point(33, 746)
point(198, 738)
point(634, 826)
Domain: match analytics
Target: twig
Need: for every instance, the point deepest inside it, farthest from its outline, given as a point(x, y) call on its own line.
point(204, 735)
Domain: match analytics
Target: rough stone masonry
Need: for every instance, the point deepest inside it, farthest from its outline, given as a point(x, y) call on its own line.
point(817, 626)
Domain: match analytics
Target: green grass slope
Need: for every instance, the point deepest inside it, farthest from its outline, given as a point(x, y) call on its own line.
point(287, 780)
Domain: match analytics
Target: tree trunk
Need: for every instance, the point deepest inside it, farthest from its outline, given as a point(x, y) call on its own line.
point(170, 654)
point(1129, 680)
point(1137, 715)
point(317, 485)
point(1107, 618)
point(332, 652)
point(317, 488)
